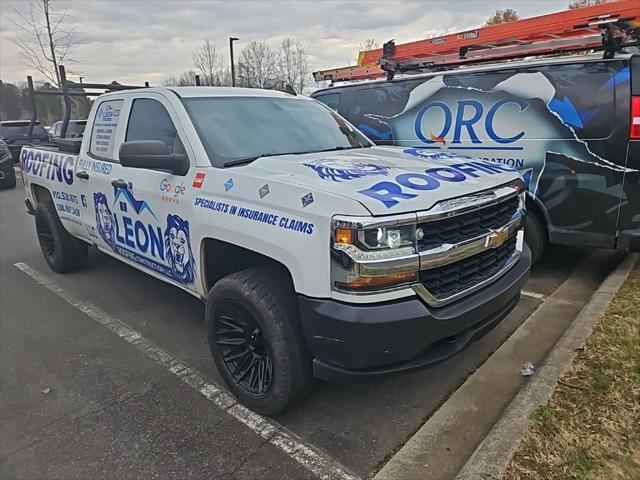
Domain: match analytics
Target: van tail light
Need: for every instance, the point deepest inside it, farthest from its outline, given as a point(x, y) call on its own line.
point(634, 131)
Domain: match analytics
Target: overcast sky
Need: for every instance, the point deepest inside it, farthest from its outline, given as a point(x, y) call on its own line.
point(134, 41)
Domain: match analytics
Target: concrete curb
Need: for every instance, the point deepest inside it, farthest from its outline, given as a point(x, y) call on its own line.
point(448, 438)
point(492, 457)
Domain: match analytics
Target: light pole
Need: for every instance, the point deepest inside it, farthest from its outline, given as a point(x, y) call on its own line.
point(233, 68)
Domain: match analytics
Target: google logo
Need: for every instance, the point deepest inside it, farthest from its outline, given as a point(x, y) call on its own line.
point(177, 190)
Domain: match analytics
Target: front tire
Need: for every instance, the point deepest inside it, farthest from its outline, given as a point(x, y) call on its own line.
point(255, 339)
point(62, 252)
point(535, 234)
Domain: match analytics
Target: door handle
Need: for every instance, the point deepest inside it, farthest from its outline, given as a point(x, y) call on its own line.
point(119, 183)
point(83, 175)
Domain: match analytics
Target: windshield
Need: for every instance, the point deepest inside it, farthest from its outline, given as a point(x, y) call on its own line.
point(233, 129)
point(17, 130)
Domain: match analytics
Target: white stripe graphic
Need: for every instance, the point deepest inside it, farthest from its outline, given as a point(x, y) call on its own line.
point(319, 463)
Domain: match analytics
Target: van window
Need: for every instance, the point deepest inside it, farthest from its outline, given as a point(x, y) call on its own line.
point(585, 91)
point(149, 120)
point(331, 100)
point(104, 129)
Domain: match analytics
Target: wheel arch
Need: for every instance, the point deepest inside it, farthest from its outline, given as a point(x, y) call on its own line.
point(219, 259)
point(40, 193)
point(535, 205)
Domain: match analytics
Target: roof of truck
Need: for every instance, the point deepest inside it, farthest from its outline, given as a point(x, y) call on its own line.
point(188, 92)
point(191, 92)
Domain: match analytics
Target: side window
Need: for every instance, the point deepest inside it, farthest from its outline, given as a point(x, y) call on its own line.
point(331, 100)
point(149, 120)
point(104, 129)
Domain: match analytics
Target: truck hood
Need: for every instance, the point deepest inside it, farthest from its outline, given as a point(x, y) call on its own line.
point(387, 180)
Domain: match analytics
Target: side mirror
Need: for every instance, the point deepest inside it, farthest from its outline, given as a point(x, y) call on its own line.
point(152, 154)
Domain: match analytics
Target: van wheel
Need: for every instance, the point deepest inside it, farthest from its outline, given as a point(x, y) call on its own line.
point(62, 252)
point(535, 234)
point(255, 339)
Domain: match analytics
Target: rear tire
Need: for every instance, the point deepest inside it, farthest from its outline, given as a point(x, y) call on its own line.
point(535, 234)
point(255, 338)
point(62, 252)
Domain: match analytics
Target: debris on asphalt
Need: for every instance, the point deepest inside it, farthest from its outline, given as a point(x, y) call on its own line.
point(46, 390)
point(527, 369)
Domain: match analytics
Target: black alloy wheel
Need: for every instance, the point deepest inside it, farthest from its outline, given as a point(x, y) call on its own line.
point(243, 348)
point(45, 236)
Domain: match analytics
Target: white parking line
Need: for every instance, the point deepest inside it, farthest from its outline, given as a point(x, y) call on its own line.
point(306, 455)
point(539, 296)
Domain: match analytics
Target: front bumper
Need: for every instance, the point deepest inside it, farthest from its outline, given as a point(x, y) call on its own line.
point(356, 340)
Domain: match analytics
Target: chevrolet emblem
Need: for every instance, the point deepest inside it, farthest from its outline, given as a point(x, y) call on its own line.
point(497, 238)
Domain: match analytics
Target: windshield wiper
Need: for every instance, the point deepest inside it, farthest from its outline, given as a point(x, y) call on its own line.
point(240, 161)
point(335, 149)
point(244, 161)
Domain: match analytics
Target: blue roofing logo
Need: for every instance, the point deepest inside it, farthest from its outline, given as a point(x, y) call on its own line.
point(125, 195)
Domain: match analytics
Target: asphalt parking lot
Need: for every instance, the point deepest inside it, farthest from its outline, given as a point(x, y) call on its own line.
point(76, 401)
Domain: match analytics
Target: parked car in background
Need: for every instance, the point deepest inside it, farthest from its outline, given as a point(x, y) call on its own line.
point(7, 173)
point(15, 134)
point(75, 129)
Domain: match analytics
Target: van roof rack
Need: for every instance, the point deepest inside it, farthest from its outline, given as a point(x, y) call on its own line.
point(67, 90)
point(609, 27)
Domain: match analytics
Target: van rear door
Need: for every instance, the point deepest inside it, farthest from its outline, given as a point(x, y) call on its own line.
point(629, 218)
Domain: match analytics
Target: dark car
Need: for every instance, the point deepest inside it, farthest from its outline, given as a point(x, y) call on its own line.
point(15, 134)
point(7, 173)
point(570, 125)
point(75, 129)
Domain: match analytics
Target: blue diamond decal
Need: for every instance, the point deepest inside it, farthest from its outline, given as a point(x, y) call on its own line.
point(264, 191)
point(307, 200)
point(228, 185)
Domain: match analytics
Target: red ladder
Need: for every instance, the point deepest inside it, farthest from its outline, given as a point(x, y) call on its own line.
point(606, 26)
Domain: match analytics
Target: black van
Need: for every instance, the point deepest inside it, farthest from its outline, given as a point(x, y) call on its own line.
point(570, 125)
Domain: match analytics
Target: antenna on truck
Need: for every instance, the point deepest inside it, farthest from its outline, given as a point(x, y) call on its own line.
point(609, 27)
point(67, 90)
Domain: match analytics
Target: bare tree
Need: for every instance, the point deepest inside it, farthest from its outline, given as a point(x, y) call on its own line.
point(44, 41)
point(257, 66)
point(585, 3)
point(293, 64)
point(185, 79)
point(209, 62)
point(503, 16)
point(367, 44)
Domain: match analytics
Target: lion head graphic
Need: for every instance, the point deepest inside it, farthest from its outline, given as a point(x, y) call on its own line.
point(104, 218)
point(339, 170)
point(178, 249)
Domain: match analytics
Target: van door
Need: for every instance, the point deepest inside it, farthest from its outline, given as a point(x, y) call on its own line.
point(143, 213)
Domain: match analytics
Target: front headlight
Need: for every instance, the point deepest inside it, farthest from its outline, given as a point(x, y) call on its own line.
point(373, 257)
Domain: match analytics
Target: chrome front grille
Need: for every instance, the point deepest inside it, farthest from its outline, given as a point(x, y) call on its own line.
point(468, 225)
point(449, 280)
point(468, 247)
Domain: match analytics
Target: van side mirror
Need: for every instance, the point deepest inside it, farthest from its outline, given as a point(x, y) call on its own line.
point(152, 154)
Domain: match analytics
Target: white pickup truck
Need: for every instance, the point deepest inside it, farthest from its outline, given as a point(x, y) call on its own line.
point(317, 252)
